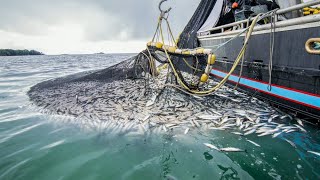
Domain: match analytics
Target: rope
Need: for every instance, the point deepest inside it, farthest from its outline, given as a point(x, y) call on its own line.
point(272, 38)
point(224, 80)
point(242, 61)
point(194, 68)
point(151, 62)
point(240, 58)
point(240, 33)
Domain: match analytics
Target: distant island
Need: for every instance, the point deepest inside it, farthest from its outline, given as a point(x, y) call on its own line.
point(11, 52)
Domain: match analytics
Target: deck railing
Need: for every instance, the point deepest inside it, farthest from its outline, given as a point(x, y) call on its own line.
point(242, 24)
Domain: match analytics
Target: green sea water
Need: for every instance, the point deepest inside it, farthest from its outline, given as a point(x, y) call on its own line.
point(34, 145)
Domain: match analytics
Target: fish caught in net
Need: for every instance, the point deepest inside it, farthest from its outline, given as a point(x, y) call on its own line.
point(158, 90)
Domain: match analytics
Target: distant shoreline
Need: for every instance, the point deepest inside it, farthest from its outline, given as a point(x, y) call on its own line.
point(25, 52)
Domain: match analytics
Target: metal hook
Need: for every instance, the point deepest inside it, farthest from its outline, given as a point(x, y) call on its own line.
point(162, 11)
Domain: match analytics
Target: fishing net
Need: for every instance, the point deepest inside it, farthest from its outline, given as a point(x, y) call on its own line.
point(188, 38)
point(118, 91)
point(134, 96)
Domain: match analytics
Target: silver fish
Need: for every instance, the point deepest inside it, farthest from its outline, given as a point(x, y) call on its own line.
point(211, 146)
point(186, 131)
point(231, 149)
point(290, 142)
point(276, 134)
point(224, 120)
point(292, 130)
point(147, 117)
point(312, 152)
point(253, 143)
point(196, 123)
point(249, 132)
point(265, 133)
point(229, 125)
point(301, 128)
point(164, 128)
point(209, 117)
point(249, 118)
point(237, 133)
point(299, 122)
point(238, 121)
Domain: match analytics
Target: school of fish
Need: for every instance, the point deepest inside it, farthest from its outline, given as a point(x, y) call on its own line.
point(140, 106)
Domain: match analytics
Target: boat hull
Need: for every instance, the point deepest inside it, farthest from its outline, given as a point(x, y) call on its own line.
point(295, 74)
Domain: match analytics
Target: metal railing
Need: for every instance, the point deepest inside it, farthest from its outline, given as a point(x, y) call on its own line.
point(242, 24)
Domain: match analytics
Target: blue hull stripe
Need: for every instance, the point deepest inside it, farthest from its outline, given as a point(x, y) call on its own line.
point(306, 99)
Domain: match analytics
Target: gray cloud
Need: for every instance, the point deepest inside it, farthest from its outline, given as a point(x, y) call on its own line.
point(100, 20)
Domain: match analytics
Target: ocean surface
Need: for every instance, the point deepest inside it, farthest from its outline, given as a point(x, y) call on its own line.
point(34, 145)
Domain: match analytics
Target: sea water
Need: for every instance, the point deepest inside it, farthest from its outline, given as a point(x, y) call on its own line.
point(34, 145)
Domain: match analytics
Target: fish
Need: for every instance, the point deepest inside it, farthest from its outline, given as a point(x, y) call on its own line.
point(224, 120)
point(299, 122)
point(186, 131)
point(196, 123)
point(249, 132)
point(237, 133)
point(291, 130)
point(250, 118)
point(192, 123)
point(238, 121)
point(215, 112)
point(301, 128)
point(242, 126)
point(211, 146)
point(313, 152)
point(218, 128)
point(260, 124)
point(257, 120)
point(276, 134)
point(247, 125)
point(240, 112)
point(151, 101)
point(272, 117)
point(147, 117)
point(253, 143)
point(265, 133)
point(231, 149)
point(291, 143)
point(229, 125)
point(164, 128)
point(209, 117)
point(249, 128)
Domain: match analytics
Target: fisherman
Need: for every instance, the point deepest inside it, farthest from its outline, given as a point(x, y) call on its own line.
point(244, 8)
point(240, 3)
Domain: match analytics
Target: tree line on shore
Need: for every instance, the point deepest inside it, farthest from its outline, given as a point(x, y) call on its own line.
point(25, 52)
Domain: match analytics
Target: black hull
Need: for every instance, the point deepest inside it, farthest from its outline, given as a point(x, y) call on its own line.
point(294, 71)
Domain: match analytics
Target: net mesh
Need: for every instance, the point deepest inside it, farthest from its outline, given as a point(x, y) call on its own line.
point(66, 91)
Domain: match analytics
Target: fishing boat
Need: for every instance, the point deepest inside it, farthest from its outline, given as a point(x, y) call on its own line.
point(282, 60)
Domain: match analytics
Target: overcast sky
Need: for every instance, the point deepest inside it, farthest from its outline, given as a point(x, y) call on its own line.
point(86, 26)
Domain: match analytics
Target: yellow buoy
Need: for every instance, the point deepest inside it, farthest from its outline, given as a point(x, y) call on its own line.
point(172, 49)
point(204, 78)
point(200, 51)
point(159, 45)
point(211, 59)
point(306, 13)
point(306, 9)
point(186, 52)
